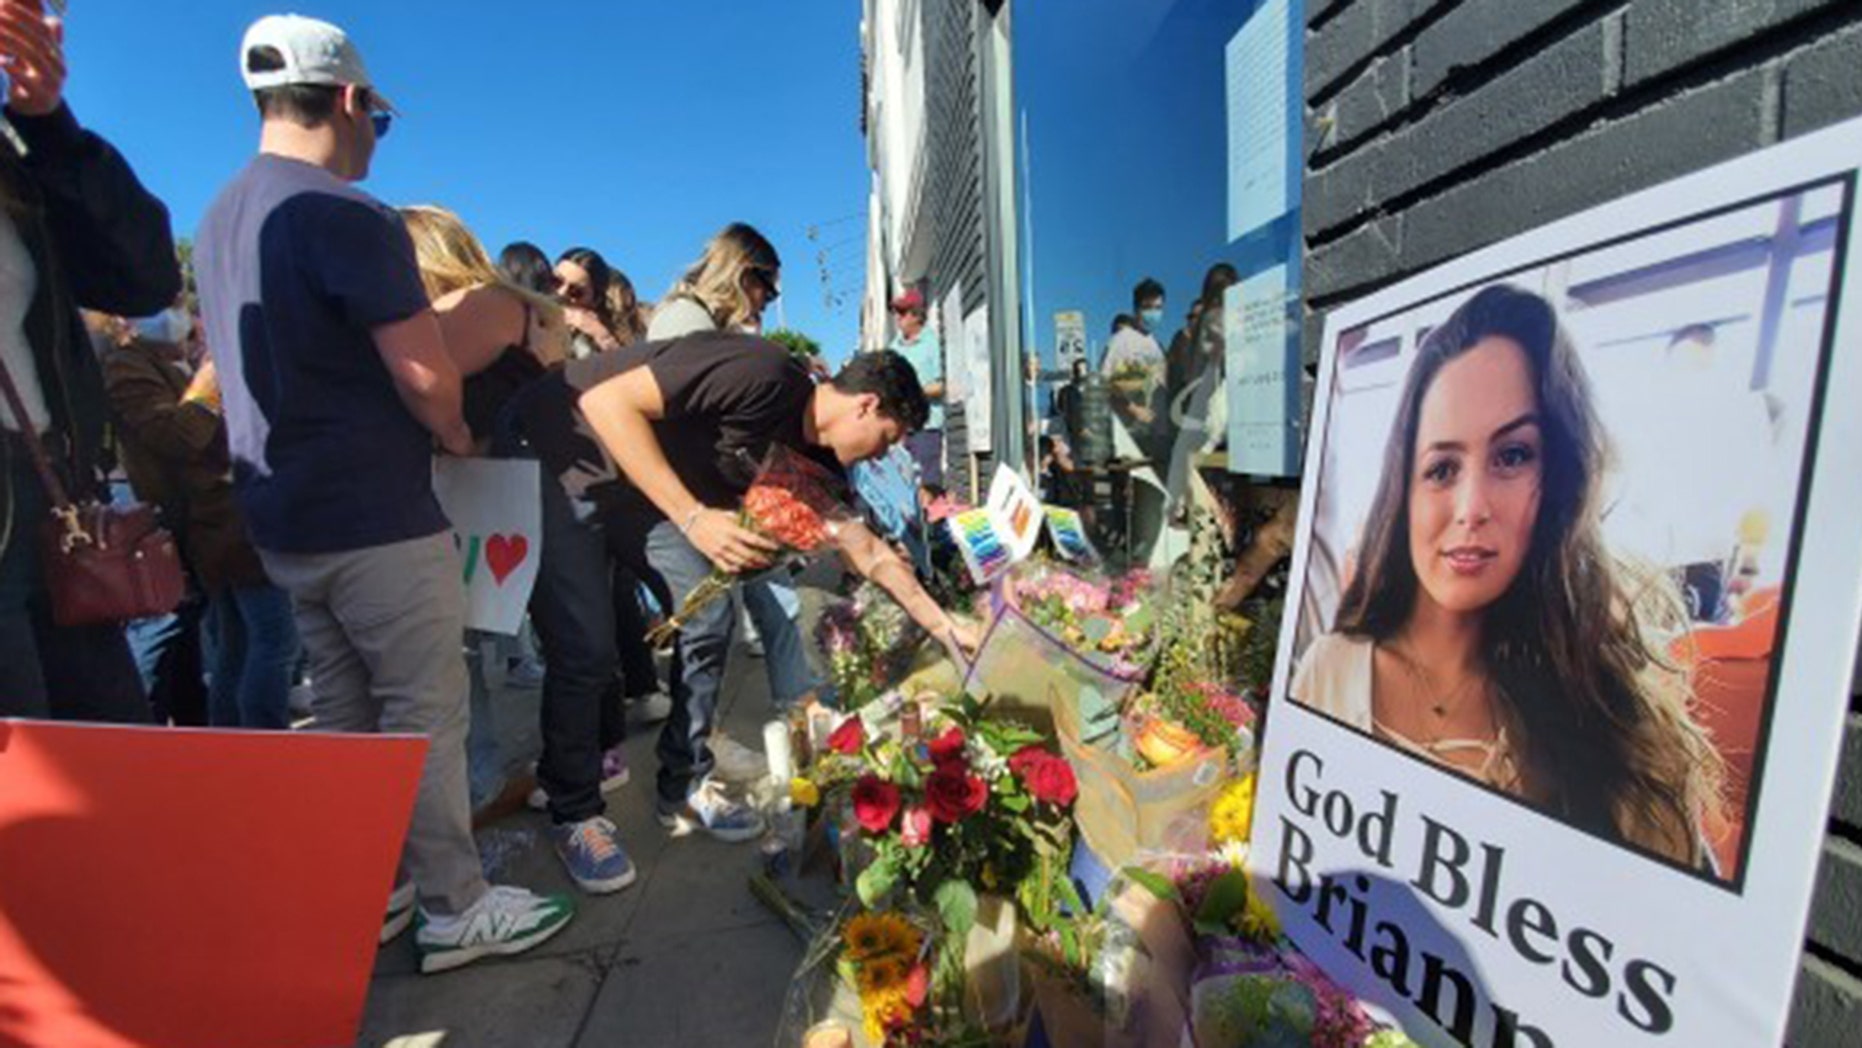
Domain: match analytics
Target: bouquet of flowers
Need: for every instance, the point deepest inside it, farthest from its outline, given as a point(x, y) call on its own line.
point(950, 805)
point(793, 501)
point(1110, 623)
point(869, 643)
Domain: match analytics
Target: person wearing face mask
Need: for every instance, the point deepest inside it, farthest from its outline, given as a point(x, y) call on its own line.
point(172, 442)
point(1134, 365)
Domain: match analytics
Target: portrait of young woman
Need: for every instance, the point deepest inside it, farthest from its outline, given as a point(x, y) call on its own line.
point(1485, 624)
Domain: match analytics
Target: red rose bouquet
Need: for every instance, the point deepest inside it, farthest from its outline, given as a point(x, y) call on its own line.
point(794, 501)
point(951, 806)
point(970, 800)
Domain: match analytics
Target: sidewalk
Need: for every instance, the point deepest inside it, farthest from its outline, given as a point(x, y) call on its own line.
point(684, 956)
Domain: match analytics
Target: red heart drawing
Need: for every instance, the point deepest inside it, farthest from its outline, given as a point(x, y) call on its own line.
point(503, 553)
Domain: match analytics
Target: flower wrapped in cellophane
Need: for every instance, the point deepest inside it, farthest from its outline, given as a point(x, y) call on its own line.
point(797, 502)
point(869, 643)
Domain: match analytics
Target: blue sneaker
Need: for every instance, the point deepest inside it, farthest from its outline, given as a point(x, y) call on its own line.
point(592, 852)
point(707, 808)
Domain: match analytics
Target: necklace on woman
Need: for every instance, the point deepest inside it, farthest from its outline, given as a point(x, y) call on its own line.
point(1442, 704)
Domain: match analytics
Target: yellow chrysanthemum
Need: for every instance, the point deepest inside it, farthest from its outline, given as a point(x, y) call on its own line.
point(883, 1012)
point(1232, 814)
point(1258, 919)
point(804, 793)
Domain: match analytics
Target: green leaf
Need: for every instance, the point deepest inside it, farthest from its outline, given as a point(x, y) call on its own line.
point(1156, 884)
point(1014, 802)
point(1070, 945)
point(1069, 894)
point(877, 880)
point(956, 905)
point(1228, 895)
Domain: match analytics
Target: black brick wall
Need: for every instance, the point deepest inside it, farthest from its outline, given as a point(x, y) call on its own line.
point(1434, 127)
point(954, 187)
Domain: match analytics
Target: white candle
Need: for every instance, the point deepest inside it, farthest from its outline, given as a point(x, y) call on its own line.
point(777, 751)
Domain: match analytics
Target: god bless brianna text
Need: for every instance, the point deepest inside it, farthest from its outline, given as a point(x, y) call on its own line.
point(1464, 877)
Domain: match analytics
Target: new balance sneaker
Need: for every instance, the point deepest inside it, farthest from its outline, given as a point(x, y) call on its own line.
point(400, 912)
point(708, 808)
point(504, 921)
point(592, 852)
point(614, 775)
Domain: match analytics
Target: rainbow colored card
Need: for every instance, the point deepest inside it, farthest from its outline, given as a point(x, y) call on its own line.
point(985, 550)
point(1068, 531)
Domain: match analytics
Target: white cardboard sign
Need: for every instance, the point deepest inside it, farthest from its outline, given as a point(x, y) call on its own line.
point(496, 509)
point(1484, 795)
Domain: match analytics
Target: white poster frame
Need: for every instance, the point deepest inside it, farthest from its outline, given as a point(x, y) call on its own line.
point(1729, 952)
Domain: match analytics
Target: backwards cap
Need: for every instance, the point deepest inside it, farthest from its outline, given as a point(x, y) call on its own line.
point(314, 52)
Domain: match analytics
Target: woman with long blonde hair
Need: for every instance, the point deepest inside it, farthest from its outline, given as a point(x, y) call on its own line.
point(501, 335)
point(727, 289)
point(504, 337)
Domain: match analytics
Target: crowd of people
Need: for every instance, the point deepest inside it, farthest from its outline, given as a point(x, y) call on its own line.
point(284, 412)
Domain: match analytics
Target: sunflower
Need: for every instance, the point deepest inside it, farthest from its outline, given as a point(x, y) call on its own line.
point(883, 977)
point(872, 935)
point(1232, 814)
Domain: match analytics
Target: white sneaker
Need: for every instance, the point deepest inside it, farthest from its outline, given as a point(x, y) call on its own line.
point(652, 708)
point(735, 762)
point(400, 912)
point(503, 921)
point(707, 808)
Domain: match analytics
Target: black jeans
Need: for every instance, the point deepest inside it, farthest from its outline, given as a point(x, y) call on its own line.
point(572, 609)
point(50, 671)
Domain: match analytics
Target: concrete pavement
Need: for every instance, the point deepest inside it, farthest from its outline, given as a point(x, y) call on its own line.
point(683, 957)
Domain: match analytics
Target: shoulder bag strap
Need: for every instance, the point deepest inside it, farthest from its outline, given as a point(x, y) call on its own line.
point(61, 502)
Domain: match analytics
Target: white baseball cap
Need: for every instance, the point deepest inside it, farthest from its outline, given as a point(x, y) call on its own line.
point(314, 52)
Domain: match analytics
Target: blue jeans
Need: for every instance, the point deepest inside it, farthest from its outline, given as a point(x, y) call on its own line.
point(46, 670)
point(255, 649)
point(776, 609)
point(170, 658)
point(670, 566)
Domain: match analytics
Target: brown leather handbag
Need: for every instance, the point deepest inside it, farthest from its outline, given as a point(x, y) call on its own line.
point(103, 564)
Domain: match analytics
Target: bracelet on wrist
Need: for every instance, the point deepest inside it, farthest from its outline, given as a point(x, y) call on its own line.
point(690, 519)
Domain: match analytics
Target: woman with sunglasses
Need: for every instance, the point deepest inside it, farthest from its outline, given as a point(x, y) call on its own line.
point(582, 279)
point(728, 289)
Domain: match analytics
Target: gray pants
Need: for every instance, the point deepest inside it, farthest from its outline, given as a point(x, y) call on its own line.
point(382, 628)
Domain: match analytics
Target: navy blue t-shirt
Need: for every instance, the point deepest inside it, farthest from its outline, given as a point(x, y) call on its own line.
point(295, 268)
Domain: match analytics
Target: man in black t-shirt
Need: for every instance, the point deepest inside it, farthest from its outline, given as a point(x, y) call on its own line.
point(665, 443)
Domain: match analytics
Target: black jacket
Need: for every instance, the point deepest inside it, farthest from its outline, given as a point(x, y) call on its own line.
point(98, 240)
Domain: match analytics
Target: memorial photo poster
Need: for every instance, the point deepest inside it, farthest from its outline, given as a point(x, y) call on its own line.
point(1575, 604)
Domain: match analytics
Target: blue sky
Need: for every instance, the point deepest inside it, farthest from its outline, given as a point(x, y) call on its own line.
point(635, 128)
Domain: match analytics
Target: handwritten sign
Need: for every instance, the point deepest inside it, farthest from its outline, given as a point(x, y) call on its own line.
point(496, 509)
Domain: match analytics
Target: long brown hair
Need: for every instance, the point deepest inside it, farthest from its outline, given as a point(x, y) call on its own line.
point(1601, 717)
